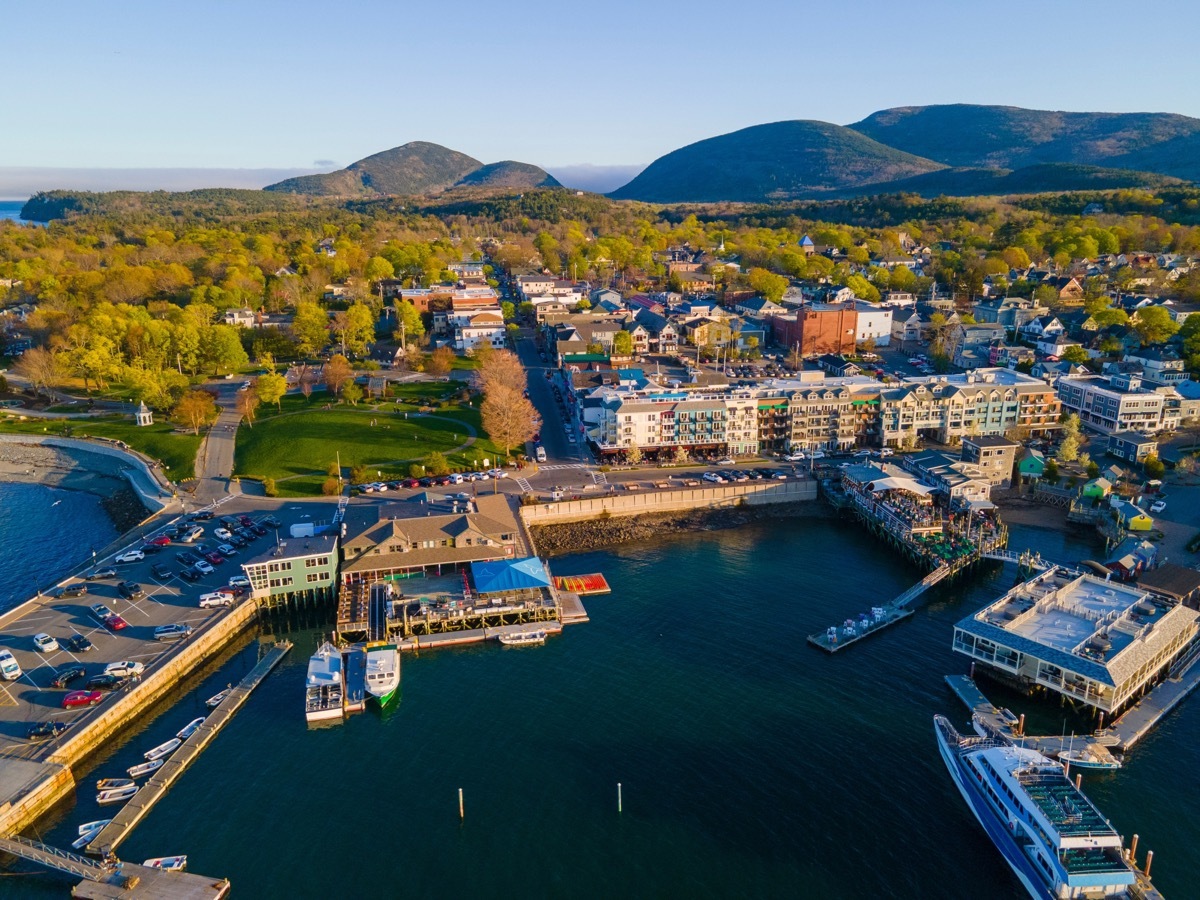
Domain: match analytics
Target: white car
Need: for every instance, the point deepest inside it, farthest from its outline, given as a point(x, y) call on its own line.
point(130, 556)
point(239, 581)
point(216, 598)
point(1158, 506)
point(204, 567)
point(727, 461)
point(125, 669)
point(223, 534)
point(713, 477)
point(795, 457)
point(10, 669)
point(43, 643)
point(497, 473)
point(818, 454)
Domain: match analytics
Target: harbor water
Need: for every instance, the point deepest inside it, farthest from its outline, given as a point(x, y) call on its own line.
point(751, 764)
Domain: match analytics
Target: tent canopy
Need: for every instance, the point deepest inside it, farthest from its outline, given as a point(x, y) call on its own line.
point(509, 575)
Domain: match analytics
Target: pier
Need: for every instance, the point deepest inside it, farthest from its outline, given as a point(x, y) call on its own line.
point(156, 788)
point(834, 638)
point(1135, 723)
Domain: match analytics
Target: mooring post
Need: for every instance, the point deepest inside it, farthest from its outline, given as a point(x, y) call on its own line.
point(618, 796)
point(461, 813)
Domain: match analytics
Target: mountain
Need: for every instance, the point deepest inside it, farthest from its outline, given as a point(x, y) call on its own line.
point(1043, 178)
point(1009, 137)
point(417, 168)
point(782, 160)
point(510, 175)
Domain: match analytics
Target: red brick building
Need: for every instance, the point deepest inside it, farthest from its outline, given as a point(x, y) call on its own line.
point(817, 329)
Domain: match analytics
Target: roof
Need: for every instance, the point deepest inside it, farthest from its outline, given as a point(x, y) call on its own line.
point(509, 575)
point(1171, 580)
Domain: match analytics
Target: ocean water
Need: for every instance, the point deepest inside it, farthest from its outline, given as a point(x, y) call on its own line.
point(11, 209)
point(751, 764)
point(44, 533)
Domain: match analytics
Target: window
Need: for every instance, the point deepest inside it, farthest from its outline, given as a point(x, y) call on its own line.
point(313, 577)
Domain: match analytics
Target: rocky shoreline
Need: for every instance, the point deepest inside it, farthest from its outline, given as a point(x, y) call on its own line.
point(593, 534)
point(91, 473)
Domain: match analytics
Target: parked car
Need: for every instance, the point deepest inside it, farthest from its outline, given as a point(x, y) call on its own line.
point(81, 698)
point(713, 478)
point(100, 611)
point(222, 534)
point(161, 571)
point(105, 682)
point(126, 668)
point(10, 669)
point(130, 556)
point(65, 676)
point(115, 623)
point(203, 516)
point(203, 567)
point(214, 557)
point(216, 598)
point(1158, 506)
point(226, 550)
point(192, 535)
point(271, 521)
point(189, 575)
point(44, 731)
point(175, 632)
point(188, 557)
point(246, 521)
point(43, 643)
point(73, 590)
point(258, 530)
point(101, 574)
point(76, 643)
point(161, 541)
point(130, 590)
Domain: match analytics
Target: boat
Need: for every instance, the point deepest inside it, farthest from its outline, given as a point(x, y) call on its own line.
point(215, 700)
point(167, 863)
point(189, 729)
point(108, 784)
point(383, 671)
point(323, 684)
point(523, 638)
point(86, 838)
point(1087, 758)
point(116, 795)
point(1051, 835)
point(92, 826)
point(143, 768)
point(163, 749)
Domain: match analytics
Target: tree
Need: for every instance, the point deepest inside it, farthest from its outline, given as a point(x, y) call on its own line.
point(1093, 469)
point(681, 455)
point(1154, 324)
point(863, 289)
point(771, 286)
point(307, 381)
point(270, 388)
point(247, 404)
point(269, 487)
point(633, 455)
point(622, 344)
point(435, 464)
point(360, 328)
point(221, 347)
point(310, 328)
point(441, 361)
point(352, 393)
point(502, 369)
point(1153, 466)
point(195, 410)
point(39, 367)
point(412, 327)
point(1050, 472)
point(794, 358)
point(337, 373)
point(507, 416)
point(1075, 354)
point(331, 487)
point(378, 268)
point(1070, 424)
point(1068, 450)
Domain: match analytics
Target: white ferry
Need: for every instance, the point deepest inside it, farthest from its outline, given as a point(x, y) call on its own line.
point(323, 685)
point(1050, 834)
point(383, 671)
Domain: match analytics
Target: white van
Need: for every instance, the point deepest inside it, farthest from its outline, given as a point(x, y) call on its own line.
point(9, 669)
point(540, 453)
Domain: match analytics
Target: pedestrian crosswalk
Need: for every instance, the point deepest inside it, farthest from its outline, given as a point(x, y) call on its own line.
point(599, 479)
point(524, 485)
point(542, 468)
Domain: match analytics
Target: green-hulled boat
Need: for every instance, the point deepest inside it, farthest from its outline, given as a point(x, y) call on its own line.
point(383, 672)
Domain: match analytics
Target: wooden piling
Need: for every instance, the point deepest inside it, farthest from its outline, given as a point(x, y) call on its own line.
point(461, 811)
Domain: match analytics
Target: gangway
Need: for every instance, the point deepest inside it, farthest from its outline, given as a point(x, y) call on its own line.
point(53, 858)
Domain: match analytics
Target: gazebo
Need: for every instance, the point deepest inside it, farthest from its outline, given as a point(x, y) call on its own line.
point(144, 416)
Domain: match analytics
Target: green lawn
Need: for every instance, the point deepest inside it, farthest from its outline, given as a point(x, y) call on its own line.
point(296, 447)
point(160, 441)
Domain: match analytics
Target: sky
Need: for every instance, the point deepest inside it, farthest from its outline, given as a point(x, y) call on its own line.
point(261, 84)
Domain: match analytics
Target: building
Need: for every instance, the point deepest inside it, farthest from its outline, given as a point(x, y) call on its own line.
point(1093, 641)
point(1178, 583)
point(994, 457)
point(485, 327)
point(1109, 404)
point(302, 565)
point(241, 318)
point(1131, 446)
point(818, 328)
point(143, 416)
point(873, 323)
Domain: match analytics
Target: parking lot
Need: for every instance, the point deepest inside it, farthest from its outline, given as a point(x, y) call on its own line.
point(149, 600)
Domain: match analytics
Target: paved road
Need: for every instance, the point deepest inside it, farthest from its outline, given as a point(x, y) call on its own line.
point(556, 417)
point(214, 460)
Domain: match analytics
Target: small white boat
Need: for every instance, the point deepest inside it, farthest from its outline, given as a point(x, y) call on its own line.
point(1087, 759)
point(523, 638)
point(163, 749)
point(189, 729)
point(215, 700)
point(143, 768)
point(92, 826)
point(167, 863)
point(108, 784)
point(116, 795)
point(84, 839)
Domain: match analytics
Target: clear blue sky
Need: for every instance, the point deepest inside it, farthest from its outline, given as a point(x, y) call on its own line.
point(264, 83)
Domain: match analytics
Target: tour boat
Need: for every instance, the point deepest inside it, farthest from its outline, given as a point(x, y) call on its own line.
point(108, 784)
point(88, 827)
point(1051, 835)
point(215, 700)
point(383, 671)
point(143, 768)
point(167, 863)
point(1086, 758)
point(523, 638)
point(116, 795)
point(163, 749)
point(190, 728)
point(323, 684)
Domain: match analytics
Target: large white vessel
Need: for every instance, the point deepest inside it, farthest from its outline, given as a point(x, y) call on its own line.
point(383, 671)
point(323, 685)
point(1054, 839)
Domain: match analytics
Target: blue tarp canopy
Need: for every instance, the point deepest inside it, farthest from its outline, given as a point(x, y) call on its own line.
point(509, 575)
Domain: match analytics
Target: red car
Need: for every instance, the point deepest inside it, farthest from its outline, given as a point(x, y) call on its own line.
point(115, 623)
point(81, 698)
point(215, 558)
point(246, 521)
point(161, 541)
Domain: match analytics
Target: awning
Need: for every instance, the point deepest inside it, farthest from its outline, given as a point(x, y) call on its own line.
point(980, 505)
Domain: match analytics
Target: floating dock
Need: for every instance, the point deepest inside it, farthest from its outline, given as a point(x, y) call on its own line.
point(115, 832)
point(474, 635)
point(354, 669)
point(1136, 722)
point(852, 631)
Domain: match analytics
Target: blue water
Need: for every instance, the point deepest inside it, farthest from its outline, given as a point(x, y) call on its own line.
point(752, 765)
point(45, 532)
point(11, 209)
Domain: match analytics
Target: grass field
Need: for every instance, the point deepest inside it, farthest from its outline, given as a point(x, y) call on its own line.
point(160, 441)
point(297, 446)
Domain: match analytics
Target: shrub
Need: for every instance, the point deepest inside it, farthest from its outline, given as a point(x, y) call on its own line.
point(358, 475)
point(330, 487)
point(269, 487)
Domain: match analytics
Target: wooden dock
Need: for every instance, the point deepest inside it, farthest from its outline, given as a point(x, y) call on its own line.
point(474, 635)
point(156, 788)
point(839, 638)
point(1133, 725)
